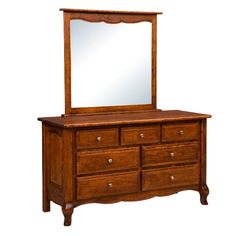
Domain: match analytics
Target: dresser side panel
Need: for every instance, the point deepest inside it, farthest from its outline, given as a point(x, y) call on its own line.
point(54, 153)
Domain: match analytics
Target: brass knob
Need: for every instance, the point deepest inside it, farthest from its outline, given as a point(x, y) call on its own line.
point(172, 154)
point(109, 185)
point(141, 135)
point(172, 178)
point(181, 132)
point(99, 138)
point(109, 160)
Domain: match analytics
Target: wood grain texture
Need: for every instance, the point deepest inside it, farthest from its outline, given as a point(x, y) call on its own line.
point(105, 109)
point(96, 138)
point(129, 118)
point(154, 61)
point(45, 170)
point(68, 174)
point(112, 17)
point(163, 154)
point(180, 132)
point(159, 177)
point(140, 135)
point(67, 63)
point(170, 177)
point(54, 152)
point(97, 186)
point(103, 160)
point(135, 196)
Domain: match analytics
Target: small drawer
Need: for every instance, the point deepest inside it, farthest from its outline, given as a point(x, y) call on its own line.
point(92, 187)
point(140, 135)
point(166, 153)
point(170, 177)
point(180, 132)
point(107, 160)
point(96, 138)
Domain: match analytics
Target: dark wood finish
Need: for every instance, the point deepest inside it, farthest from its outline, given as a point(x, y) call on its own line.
point(54, 152)
point(45, 162)
point(180, 132)
point(140, 135)
point(125, 118)
point(67, 63)
point(97, 138)
point(67, 210)
point(107, 160)
point(154, 60)
point(138, 172)
point(112, 17)
point(68, 174)
point(103, 158)
point(170, 177)
point(142, 195)
point(109, 12)
point(170, 154)
point(96, 186)
point(109, 109)
point(204, 190)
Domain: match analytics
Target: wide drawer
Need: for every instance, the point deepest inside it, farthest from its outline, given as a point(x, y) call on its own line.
point(97, 138)
point(140, 135)
point(170, 177)
point(180, 132)
point(170, 153)
point(97, 186)
point(108, 159)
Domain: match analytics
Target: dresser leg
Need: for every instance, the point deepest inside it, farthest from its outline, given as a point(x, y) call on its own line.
point(67, 210)
point(46, 204)
point(204, 191)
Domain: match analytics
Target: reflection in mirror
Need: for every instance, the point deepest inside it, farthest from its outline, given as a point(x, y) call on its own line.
point(110, 63)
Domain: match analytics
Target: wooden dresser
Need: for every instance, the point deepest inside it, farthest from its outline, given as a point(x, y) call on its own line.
point(122, 157)
point(108, 154)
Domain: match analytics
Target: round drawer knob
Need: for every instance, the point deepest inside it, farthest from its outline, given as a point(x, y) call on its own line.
point(141, 135)
point(99, 138)
point(110, 185)
point(172, 178)
point(181, 132)
point(109, 160)
point(172, 154)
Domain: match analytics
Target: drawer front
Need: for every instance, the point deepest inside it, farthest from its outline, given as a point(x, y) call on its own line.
point(108, 159)
point(92, 187)
point(140, 135)
point(97, 138)
point(170, 177)
point(159, 154)
point(180, 132)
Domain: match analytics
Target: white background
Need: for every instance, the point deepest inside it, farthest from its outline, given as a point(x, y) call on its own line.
point(196, 72)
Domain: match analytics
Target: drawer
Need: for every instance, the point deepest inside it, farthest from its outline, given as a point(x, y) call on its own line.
point(108, 159)
point(180, 132)
point(166, 153)
point(97, 186)
point(170, 177)
point(140, 135)
point(97, 138)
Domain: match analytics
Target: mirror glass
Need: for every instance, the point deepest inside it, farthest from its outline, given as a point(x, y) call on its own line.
point(110, 63)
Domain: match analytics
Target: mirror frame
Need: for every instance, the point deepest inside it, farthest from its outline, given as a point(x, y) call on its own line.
point(112, 17)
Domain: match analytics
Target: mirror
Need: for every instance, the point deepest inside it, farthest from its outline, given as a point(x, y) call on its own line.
point(111, 64)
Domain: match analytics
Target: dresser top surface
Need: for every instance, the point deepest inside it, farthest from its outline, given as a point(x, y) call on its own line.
point(73, 121)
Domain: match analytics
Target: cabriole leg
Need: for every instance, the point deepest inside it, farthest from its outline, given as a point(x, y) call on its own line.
point(204, 191)
point(67, 210)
